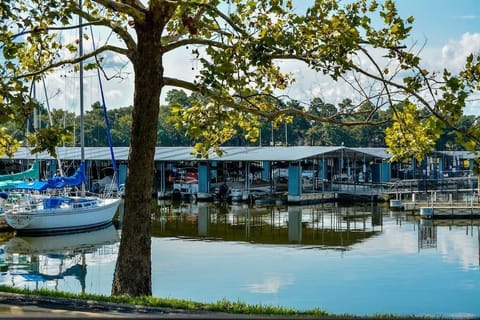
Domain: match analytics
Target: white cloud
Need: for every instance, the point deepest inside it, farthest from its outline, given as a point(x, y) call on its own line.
point(271, 284)
point(454, 52)
point(308, 84)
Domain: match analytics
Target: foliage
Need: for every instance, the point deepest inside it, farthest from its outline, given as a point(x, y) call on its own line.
point(411, 136)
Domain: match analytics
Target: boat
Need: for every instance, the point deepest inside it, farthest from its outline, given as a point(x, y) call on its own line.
point(62, 212)
point(32, 173)
point(186, 185)
point(36, 213)
point(9, 181)
point(238, 194)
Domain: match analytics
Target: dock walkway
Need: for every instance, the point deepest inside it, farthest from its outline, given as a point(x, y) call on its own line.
point(439, 209)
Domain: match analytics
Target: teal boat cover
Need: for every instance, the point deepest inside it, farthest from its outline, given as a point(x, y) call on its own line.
point(32, 173)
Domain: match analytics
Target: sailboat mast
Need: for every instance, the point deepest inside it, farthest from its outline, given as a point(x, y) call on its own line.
point(82, 129)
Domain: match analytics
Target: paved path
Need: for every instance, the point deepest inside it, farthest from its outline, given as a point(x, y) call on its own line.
point(25, 306)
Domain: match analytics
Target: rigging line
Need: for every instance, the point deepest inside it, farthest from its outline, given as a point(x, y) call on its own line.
point(51, 123)
point(107, 123)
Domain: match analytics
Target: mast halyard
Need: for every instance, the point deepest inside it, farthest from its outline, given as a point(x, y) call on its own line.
point(82, 128)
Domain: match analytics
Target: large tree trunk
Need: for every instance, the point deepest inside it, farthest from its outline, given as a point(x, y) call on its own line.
point(133, 270)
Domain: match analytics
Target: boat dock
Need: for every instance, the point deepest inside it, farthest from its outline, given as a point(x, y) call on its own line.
point(441, 205)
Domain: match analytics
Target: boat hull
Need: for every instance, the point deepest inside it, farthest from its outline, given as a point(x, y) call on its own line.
point(63, 219)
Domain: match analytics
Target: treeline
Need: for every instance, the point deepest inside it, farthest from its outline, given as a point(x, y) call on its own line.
point(298, 131)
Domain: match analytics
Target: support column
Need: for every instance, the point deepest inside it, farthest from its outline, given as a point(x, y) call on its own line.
point(122, 173)
point(266, 171)
point(322, 169)
point(203, 181)
point(385, 172)
point(294, 182)
point(161, 188)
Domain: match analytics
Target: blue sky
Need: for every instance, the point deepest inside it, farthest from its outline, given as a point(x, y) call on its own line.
point(441, 20)
point(447, 30)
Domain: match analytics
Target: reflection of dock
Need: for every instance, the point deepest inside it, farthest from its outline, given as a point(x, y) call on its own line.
point(317, 226)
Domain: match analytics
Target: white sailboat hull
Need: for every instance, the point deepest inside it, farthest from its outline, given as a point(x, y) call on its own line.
point(63, 218)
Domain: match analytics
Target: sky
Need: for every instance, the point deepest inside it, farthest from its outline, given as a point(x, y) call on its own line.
point(447, 30)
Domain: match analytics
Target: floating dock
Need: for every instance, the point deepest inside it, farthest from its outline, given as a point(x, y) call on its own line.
point(450, 211)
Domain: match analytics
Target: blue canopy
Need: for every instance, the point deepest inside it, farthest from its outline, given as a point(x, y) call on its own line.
point(73, 181)
point(57, 182)
point(55, 202)
point(33, 185)
point(9, 184)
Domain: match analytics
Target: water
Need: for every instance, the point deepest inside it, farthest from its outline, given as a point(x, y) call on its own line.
point(358, 260)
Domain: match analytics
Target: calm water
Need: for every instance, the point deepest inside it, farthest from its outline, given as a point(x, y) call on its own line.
point(358, 259)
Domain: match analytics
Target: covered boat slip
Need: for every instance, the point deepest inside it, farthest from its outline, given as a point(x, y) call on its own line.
point(305, 173)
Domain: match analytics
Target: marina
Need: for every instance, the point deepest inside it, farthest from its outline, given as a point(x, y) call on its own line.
point(297, 174)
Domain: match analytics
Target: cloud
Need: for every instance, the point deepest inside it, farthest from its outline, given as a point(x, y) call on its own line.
point(271, 284)
point(469, 17)
point(308, 84)
point(455, 51)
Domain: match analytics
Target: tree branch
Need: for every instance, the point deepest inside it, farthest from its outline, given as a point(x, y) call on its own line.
point(111, 24)
point(73, 61)
point(234, 102)
point(132, 8)
point(194, 41)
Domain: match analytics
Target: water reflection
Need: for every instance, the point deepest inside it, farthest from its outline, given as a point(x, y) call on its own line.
point(365, 259)
point(429, 231)
point(47, 259)
point(322, 226)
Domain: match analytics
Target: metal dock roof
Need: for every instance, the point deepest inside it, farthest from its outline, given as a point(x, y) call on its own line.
point(294, 153)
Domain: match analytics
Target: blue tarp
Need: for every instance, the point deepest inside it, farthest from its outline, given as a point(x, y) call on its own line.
point(54, 202)
point(33, 185)
point(56, 182)
point(9, 184)
point(73, 181)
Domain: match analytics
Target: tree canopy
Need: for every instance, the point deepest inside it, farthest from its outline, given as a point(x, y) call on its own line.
point(240, 46)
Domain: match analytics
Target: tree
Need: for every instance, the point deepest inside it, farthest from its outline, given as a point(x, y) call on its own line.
point(168, 135)
point(120, 124)
point(239, 46)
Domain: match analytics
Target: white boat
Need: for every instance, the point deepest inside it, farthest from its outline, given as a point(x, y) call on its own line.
point(59, 214)
point(237, 195)
point(42, 213)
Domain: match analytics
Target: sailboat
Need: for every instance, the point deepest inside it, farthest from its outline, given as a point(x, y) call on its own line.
point(63, 213)
point(59, 213)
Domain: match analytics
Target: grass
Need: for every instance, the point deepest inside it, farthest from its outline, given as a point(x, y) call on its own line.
point(219, 306)
point(148, 301)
